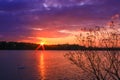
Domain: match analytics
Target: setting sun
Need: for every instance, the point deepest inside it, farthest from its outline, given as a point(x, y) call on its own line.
point(60, 39)
point(42, 43)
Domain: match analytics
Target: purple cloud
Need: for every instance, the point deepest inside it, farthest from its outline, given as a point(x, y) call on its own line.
point(18, 16)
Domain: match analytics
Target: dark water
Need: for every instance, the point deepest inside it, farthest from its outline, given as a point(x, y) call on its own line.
point(36, 65)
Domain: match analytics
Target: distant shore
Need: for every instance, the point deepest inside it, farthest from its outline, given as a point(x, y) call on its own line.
point(31, 46)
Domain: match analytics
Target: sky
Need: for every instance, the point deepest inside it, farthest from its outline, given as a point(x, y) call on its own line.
point(52, 21)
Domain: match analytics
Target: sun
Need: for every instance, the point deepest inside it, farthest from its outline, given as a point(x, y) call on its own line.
point(42, 43)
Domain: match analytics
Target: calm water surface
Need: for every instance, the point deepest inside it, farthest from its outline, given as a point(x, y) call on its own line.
point(36, 65)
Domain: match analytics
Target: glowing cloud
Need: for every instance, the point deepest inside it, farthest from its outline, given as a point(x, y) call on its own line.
point(39, 29)
point(55, 20)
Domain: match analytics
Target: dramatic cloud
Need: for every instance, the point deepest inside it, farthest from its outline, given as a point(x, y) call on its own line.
point(52, 18)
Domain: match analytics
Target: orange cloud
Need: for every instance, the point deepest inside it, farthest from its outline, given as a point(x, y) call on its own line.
point(116, 16)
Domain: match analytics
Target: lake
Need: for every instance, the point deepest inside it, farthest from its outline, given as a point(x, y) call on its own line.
point(36, 65)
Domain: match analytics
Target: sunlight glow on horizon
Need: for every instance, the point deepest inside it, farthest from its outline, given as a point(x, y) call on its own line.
point(42, 43)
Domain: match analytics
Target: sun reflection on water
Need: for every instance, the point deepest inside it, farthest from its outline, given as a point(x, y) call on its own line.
point(40, 59)
point(41, 66)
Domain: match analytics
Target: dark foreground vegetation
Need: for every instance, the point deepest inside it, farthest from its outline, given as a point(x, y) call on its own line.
point(98, 65)
point(30, 46)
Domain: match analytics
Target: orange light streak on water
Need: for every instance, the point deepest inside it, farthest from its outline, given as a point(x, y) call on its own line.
point(42, 66)
point(40, 58)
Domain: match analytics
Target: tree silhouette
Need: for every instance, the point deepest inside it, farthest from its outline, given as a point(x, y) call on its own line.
point(98, 65)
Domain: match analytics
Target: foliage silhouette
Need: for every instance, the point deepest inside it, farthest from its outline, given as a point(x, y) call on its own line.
point(98, 65)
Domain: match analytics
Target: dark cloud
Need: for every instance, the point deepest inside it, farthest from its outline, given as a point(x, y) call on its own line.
point(19, 5)
point(18, 16)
